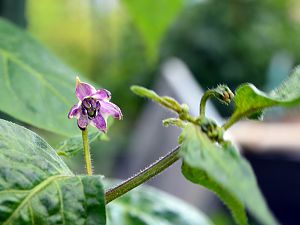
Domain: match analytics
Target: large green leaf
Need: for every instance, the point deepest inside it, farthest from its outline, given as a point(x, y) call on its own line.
point(249, 100)
point(225, 172)
point(35, 87)
point(152, 19)
point(149, 206)
point(36, 187)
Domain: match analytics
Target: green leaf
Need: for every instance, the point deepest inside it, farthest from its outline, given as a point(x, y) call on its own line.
point(152, 19)
point(165, 101)
point(147, 93)
point(149, 206)
point(225, 172)
point(249, 100)
point(73, 145)
point(36, 187)
point(35, 86)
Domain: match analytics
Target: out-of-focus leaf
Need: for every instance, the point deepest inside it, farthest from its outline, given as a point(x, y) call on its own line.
point(73, 145)
point(225, 172)
point(149, 206)
point(165, 101)
point(249, 100)
point(152, 19)
point(36, 187)
point(35, 87)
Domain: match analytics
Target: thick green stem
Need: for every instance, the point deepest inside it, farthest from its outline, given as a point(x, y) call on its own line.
point(87, 154)
point(143, 176)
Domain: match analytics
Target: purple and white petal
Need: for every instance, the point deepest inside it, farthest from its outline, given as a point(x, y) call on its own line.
point(84, 90)
point(93, 106)
point(74, 111)
point(83, 121)
point(110, 109)
point(102, 94)
point(100, 122)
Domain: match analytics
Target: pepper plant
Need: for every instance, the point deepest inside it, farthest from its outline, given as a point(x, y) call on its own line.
point(37, 187)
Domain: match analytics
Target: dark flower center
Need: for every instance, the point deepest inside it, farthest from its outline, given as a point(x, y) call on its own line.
point(90, 107)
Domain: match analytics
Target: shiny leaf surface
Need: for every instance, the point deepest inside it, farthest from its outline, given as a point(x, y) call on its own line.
point(36, 187)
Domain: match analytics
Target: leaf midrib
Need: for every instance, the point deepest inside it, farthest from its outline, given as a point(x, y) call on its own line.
point(33, 72)
point(32, 193)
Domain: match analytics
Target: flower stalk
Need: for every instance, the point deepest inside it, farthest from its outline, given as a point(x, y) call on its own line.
point(87, 153)
point(203, 101)
point(143, 176)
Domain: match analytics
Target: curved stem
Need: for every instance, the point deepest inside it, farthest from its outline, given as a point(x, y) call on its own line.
point(143, 176)
point(87, 154)
point(203, 101)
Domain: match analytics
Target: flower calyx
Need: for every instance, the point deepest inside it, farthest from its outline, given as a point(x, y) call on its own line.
point(224, 94)
point(212, 130)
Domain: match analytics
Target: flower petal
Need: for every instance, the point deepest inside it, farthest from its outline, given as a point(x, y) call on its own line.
point(83, 121)
point(74, 111)
point(100, 123)
point(102, 94)
point(110, 109)
point(84, 90)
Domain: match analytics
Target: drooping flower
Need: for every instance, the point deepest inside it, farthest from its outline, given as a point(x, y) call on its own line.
point(94, 107)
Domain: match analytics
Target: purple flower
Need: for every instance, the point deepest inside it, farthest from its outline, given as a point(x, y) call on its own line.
point(93, 106)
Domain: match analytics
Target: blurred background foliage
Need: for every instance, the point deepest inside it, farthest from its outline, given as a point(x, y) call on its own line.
point(118, 43)
point(236, 41)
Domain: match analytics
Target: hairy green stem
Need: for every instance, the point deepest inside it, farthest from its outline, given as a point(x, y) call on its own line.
point(143, 176)
point(203, 101)
point(87, 154)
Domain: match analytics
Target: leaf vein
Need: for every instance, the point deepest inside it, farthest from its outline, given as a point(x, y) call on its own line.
point(61, 202)
point(35, 74)
point(33, 192)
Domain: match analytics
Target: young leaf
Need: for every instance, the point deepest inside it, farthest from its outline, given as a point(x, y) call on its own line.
point(35, 86)
point(73, 145)
point(36, 187)
point(249, 100)
point(149, 206)
point(225, 172)
point(165, 101)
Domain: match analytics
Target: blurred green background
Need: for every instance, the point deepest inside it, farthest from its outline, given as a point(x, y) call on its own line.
point(120, 43)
